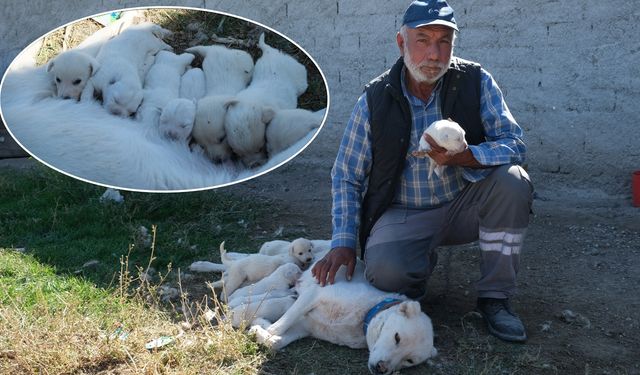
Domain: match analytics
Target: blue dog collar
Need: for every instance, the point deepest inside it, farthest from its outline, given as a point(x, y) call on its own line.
point(385, 304)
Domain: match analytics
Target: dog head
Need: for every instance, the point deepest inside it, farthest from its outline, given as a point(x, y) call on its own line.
point(245, 125)
point(401, 336)
point(70, 71)
point(176, 120)
point(122, 98)
point(450, 135)
point(290, 272)
point(208, 127)
point(302, 250)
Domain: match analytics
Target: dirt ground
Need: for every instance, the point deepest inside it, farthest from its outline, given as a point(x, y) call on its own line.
point(578, 284)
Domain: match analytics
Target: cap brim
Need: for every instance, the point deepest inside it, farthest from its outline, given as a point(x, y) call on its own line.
point(417, 24)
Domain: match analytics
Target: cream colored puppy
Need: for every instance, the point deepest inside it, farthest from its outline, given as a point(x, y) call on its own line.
point(162, 84)
point(297, 246)
point(253, 268)
point(447, 134)
point(270, 309)
point(290, 125)
point(124, 61)
point(227, 71)
point(192, 84)
point(70, 71)
point(260, 297)
point(283, 278)
point(278, 80)
point(176, 120)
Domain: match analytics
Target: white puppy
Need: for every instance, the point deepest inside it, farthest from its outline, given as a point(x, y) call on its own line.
point(447, 134)
point(233, 303)
point(124, 61)
point(227, 71)
point(70, 71)
point(283, 278)
point(253, 268)
point(92, 44)
point(299, 245)
point(270, 309)
point(176, 120)
point(192, 84)
point(162, 84)
point(290, 125)
point(397, 333)
point(278, 80)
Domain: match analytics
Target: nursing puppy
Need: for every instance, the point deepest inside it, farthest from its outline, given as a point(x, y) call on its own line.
point(227, 71)
point(124, 61)
point(270, 309)
point(447, 134)
point(192, 84)
point(290, 125)
point(253, 268)
point(396, 332)
point(233, 303)
point(162, 84)
point(278, 80)
point(176, 120)
point(283, 278)
point(298, 246)
point(70, 71)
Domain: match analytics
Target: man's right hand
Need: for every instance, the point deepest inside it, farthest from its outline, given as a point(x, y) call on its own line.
point(325, 269)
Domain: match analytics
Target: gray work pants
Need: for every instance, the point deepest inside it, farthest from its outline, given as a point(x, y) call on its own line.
point(400, 254)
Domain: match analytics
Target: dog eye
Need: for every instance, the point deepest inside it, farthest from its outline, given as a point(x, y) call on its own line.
point(397, 338)
point(77, 82)
point(58, 80)
point(112, 81)
point(410, 361)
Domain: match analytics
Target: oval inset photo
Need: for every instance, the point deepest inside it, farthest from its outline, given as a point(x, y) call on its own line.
point(164, 99)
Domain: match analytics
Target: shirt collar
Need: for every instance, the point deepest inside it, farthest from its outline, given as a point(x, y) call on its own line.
point(414, 100)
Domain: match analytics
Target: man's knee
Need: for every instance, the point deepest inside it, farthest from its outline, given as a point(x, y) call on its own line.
point(513, 182)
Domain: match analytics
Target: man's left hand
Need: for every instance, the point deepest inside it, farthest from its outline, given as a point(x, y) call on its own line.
point(441, 157)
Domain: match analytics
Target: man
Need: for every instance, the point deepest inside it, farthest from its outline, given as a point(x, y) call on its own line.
point(378, 185)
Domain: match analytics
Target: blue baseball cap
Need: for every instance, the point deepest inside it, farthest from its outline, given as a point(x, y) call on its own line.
point(429, 12)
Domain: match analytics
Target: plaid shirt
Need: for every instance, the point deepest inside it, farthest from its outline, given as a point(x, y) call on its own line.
point(351, 169)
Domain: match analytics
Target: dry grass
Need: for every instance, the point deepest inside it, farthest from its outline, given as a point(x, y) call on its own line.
point(62, 325)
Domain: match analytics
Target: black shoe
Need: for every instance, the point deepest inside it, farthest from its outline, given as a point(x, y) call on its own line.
point(501, 321)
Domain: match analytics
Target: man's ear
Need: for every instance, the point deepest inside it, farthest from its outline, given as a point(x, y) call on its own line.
point(400, 41)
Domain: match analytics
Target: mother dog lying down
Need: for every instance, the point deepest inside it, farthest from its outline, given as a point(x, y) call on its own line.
point(355, 314)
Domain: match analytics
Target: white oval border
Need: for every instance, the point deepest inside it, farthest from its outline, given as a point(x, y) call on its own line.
point(37, 40)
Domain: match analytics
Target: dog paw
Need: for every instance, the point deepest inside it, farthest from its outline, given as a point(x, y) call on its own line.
point(263, 337)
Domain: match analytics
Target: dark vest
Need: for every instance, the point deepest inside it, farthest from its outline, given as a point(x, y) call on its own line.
point(390, 120)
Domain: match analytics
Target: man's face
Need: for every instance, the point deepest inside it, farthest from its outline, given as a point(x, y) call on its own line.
point(427, 51)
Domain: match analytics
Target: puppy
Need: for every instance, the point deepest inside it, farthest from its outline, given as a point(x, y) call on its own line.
point(70, 71)
point(226, 70)
point(447, 134)
point(278, 80)
point(253, 268)
point(233, 303)
point(192, 84)
point(290, 125)
point(208, 128)
point(162, 85)
point(283, 278)
point(271, 311)
point(125, 59)
point(176, 120)
point(297, 246)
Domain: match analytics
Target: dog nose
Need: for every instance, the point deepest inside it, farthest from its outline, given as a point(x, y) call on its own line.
point(66, 97)
point(380, 368)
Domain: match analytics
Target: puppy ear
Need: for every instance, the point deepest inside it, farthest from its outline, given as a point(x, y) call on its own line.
point(268, 114)
point(94, 66)
point(410, 308)
point(292, 250)
point(50, 65)
point(230, 103)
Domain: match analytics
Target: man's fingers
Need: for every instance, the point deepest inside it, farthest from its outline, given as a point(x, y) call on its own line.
point(351, 267)
point(323, 273)
point(332, 272)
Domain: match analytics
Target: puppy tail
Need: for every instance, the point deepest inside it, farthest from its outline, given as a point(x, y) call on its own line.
point(223, 255)
point(263, 46)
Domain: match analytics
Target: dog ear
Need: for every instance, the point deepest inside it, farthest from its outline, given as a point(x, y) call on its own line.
point(410, 308)
point(50, 65)
point(292, 250)
point(268, 114)
point(230, 103)
point(94, 66)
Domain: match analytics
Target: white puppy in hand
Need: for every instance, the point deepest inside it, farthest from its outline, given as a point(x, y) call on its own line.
point(447, 134)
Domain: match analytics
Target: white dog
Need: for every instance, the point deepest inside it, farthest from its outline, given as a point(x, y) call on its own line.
point(278, 80)
point(270, 309)
point(192, 84)
point(70, 71)
point(162, 84)
point(397, 333)
point(447, 134)
point(176, 120)
point(283, 278)
point(253, 268)
point(290, 125)
point(233, 303)
point(124, 62)
point(299, 245)
point(227, 71)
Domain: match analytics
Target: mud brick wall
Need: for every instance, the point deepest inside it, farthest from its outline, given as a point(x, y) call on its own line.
point(568, 70)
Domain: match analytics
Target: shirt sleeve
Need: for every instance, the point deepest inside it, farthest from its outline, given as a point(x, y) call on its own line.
point(348, 176)
point(504, 137)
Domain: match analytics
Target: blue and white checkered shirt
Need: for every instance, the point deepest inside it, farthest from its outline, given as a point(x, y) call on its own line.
point(351, 169)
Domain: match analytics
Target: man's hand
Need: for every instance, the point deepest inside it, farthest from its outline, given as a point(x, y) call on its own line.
point(325, 269)
point(441, 157)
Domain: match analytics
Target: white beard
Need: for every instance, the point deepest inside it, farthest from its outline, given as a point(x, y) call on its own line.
point(418, 74)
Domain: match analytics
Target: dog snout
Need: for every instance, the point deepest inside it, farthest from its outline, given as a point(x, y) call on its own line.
point(380, 368)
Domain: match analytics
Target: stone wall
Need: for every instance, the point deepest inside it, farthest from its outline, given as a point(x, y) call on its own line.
point(568, 69)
